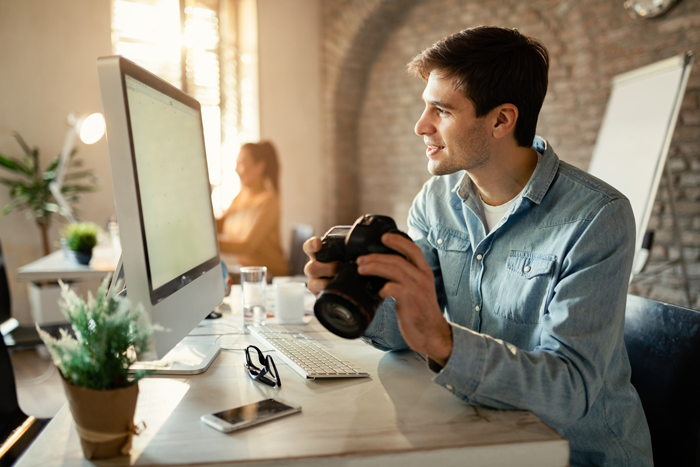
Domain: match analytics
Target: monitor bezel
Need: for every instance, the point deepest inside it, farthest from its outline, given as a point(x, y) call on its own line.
point(128, 68)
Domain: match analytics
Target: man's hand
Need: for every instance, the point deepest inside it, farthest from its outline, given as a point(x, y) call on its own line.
point(319, 274)
point(412, 284)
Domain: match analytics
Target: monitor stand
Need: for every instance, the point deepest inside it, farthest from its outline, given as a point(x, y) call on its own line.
point(193, 355)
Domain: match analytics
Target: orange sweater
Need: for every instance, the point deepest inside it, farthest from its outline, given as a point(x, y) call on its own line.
point(251, 232)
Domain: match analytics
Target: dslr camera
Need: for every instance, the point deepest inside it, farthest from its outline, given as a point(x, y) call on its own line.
point(348, 303)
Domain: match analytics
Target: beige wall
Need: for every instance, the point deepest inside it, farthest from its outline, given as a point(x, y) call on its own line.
point(48, 51)
point(290, 106)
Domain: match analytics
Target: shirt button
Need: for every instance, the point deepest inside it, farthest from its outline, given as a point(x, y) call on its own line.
point(439, 241)
point(479, 257)
point(477, 308)
point(449, 387)
point(527, 269)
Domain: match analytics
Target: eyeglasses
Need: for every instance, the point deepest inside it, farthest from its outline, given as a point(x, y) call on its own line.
point(268, 374)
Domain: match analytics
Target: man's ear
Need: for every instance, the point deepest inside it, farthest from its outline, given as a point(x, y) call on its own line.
point(506, 115)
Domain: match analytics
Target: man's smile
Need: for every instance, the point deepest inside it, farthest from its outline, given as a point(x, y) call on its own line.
point(433, 149)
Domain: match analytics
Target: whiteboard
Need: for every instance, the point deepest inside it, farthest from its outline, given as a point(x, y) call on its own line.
point(636, 132)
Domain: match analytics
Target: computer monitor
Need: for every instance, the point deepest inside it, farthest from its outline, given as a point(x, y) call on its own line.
point(170, 251)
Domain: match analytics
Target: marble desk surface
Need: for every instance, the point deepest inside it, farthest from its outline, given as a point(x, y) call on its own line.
point(396, 417)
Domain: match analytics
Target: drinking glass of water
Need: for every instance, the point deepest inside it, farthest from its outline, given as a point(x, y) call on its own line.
point(253, 299)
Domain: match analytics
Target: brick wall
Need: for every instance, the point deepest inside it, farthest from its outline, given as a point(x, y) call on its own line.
point(378, 163)
point(354, 32)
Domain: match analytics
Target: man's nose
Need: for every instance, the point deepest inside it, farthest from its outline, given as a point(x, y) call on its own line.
point(423, 125)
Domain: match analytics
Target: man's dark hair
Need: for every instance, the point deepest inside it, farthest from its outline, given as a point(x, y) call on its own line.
point(492, 66)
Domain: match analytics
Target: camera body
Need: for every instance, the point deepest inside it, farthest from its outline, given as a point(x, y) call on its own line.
point(348, 303)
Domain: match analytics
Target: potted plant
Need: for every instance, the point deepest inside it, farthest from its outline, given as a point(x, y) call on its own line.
point(81, 238)
point(31, 190)
point(108, 335)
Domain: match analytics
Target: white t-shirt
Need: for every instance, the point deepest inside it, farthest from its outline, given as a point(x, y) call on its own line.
point(494, 214)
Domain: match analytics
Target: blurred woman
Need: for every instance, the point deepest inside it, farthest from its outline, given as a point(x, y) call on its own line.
point(250, 227)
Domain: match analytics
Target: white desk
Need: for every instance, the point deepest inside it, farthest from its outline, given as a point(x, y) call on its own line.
point(397, 417)
point(56, 266)
point(43, 274)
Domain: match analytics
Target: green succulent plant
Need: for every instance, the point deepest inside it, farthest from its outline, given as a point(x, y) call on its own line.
point(109, 335)
point(81, 236)
point(31, 190)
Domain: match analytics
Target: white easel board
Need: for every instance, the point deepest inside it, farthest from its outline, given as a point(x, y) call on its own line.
point(636, 132)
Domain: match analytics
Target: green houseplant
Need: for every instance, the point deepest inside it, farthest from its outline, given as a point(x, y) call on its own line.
point(109, 334)
point(81, 238)
point(30, 191)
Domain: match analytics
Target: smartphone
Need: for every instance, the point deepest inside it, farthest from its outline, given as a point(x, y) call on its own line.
point(249, 415)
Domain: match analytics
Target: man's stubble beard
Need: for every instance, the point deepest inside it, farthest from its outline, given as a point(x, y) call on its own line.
point(470, 152)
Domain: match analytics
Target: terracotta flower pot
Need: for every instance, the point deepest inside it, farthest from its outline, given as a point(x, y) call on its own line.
point(104, 419)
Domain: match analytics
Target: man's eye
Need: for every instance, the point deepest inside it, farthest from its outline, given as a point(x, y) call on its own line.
point(441, 111)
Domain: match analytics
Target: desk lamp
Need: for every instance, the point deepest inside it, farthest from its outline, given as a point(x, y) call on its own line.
point(90, 129)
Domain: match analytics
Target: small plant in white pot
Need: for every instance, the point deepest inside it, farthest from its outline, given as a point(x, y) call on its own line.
point(109, 334)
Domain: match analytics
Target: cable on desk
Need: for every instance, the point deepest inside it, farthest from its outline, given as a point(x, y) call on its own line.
point(232, 349)
point(219, 324)
point(218, 334)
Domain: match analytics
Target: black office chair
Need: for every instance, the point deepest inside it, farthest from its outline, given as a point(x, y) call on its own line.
point(17, 430)
point(663, 343)
point(7, 324)
point(297, 257)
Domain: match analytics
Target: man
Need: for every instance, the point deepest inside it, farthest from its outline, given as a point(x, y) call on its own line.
point(528, 257)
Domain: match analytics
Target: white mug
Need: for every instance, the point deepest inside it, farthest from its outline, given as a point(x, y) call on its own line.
point(289, 302)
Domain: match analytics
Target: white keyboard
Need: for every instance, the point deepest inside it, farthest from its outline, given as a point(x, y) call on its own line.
point(304, 355)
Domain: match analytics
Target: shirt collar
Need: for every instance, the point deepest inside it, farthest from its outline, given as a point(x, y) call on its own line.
point(539, 182)
point(544, 173)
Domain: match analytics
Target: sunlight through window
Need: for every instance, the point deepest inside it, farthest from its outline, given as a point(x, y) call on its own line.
point(207, 48)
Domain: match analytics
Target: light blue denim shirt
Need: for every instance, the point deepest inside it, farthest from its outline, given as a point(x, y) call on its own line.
point(537, 306)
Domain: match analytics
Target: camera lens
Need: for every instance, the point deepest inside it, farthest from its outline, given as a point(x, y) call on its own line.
point(340, 315)
point(347, 305)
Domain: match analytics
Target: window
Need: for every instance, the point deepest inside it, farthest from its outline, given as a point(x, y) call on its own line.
point(207, 48)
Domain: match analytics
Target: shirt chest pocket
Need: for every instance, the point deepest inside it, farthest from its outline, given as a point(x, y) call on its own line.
point(452, 249)
point(526, 286)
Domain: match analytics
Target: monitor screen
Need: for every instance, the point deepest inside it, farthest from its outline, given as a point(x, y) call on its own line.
point(172, 186)
point(169, 245)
